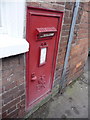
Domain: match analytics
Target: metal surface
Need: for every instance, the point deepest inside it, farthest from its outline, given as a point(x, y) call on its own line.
point(69, 44)
point(46, 33)
point(41, 59)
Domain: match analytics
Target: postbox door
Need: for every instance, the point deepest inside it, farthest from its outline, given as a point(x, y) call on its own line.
point(43, 47)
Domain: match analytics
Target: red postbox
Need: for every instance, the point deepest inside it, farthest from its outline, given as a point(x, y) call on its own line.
point(42, 32)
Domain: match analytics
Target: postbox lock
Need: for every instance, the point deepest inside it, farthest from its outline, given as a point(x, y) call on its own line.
point(46, 33)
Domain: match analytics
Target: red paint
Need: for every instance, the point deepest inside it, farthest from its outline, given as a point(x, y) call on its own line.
point(45, 31)
point(39, 78)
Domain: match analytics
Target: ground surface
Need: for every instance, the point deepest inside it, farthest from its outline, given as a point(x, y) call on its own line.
point(72, 104)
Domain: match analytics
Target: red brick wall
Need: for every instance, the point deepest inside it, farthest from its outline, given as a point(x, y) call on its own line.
point(13, 86)
point(13, 68)
point(79, 49)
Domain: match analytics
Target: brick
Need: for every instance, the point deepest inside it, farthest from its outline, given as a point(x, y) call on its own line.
point(46, 5)
point(12, 78)
point(58, 73)
point(4, 114)
point(20, 80)
point(21, 107)
point(79, 16)
point(69, 5)
point(60, 61)
point(11, 109)
point(85, 25)
point(71, 14)
point(77, 27)
point(19, 69)
point(73, 77)
point(64, 38)
point(13, 61)
point(66, 27)
point(63, 44)
point(33, 4)
point(67, 21)
point(67, 13)
point(6, 76)
point(21, 104)
point(58, 7)
point(86, 6)
point(9, 62)
point(81, 4)
point(11, 92)
point(85, 35)
point(8, 99)
point(60, 57)
point(14, 113)
point(62, 3)
point(83, 31)
point(15, 101)
point(19, 93)
point(56, 82)
point(23, 97)
point(85, 14)
point(21, 87)
point(10, 86)
point(18, 77)
point(79, 64)
point(60, 67)
point(84, 20)
point(65, 33)
point(63, 52)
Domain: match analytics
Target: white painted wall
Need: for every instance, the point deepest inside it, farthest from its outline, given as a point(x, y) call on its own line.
point(11, 33)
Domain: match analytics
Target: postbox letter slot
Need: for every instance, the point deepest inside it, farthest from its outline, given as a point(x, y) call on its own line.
point(46, 33)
